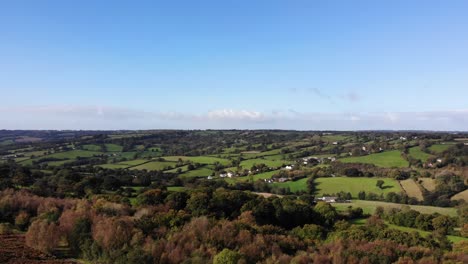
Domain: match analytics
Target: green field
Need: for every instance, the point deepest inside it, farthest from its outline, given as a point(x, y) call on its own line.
point(155, 165)
point(260, 176)
point(423, 233)
point(294, 186)
point(199, 159)
point(453, 239)
point(91, 147)
point(385, 159)
point(69, 155)
point(247, 164)
point(276, 157)
point(438, 148)
point(182, 168)
point(176, 188)
point(133, 162)
point(354, 185)
point(417, 153)
point(113, 147)
point(200, 172)
point(369, 207)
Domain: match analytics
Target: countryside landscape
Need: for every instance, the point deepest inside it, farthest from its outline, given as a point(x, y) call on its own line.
point(250, 195)
point(234, 132)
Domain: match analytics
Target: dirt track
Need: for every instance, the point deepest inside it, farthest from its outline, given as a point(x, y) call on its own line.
point(13, 250)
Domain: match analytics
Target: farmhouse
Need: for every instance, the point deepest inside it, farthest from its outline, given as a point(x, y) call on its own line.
point(289, 167)
point(328, 199)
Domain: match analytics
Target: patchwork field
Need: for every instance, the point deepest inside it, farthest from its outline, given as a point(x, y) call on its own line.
point(453, 239)
point(355, 185)
point(199, 159)
point(155, 165)
point(260, 176)
point(294, 186)
point(247, 164)
point(412, 189)
point(438, 148)
point(182, 169)
point(417, 153)
point(91, 147)
point(113, 148)
point(68, 155)
point(428, 183)
point(370, 206)
point(200, 172)
point(385, 159)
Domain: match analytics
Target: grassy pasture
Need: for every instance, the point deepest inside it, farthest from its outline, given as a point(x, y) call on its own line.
point(128, 154)
point(69, 155)
point(183, 169)
point(247, 164)
point(199, 159)
point(453, 239)
point(370, 206)
point(154, 165)
point(176, 188)
point(354, 185)
point(91, 147)
point(461, 195)
point(113, 147)
point(384, 159)
point(438, 148)
point(294, 186)
point(331, 138)
point(260, 176)
point(200, 172)
point(412, 189)
point(417, 153)
point(133, 162)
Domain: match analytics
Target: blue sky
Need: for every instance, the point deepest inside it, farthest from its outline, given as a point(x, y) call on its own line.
point(343, 65)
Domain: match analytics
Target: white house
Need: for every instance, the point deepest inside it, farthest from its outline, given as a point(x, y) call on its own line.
point(289, 167)
point(328, 199)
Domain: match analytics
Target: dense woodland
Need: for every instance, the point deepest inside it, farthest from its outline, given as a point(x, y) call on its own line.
point(165, 197)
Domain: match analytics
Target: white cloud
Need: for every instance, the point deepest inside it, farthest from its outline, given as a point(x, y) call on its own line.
point(230, 114)
point(102, 117)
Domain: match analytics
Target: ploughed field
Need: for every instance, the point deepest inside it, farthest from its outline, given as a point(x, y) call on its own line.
point(13, 250)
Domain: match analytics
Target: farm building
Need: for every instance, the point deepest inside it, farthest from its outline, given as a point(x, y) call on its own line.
point(328, 199)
